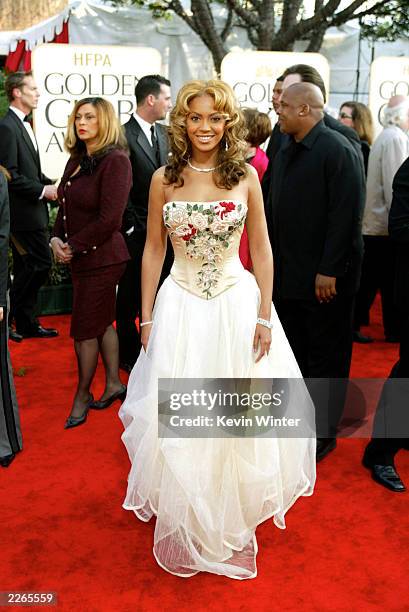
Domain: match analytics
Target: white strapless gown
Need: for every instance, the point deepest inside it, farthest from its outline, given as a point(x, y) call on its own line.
point(209, 494)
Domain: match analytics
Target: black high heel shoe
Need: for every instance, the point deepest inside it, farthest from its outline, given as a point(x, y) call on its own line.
point(76, 421)
point(102, 404)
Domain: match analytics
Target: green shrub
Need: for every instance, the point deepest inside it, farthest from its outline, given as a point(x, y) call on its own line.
point(3, 98)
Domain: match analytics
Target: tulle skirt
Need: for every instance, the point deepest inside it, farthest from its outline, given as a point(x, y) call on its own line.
point(209, 494)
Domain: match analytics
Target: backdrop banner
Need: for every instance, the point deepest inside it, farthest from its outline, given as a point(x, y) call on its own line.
point(67, 73)
point(252, 74)
point(389, 77)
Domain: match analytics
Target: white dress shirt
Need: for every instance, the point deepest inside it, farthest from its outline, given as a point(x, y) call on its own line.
point(30, 132)
point(388, 153)
point(26, 124)
point(145, 127)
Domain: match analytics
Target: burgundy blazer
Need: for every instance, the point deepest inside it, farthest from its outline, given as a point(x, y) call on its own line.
point(91, 208)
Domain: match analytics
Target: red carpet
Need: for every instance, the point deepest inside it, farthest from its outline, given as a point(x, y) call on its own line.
point(63, 528)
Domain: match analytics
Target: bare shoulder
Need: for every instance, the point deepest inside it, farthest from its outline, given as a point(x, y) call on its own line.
point(158, 186)
point(252, 172)
point(160, 172)
point(252, 184)
point(251, 180)
point(158, 178)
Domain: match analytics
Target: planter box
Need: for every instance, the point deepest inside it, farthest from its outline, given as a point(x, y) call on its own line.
point(54, 299)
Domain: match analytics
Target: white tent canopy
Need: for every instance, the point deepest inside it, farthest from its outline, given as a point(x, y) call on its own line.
point(36, 35)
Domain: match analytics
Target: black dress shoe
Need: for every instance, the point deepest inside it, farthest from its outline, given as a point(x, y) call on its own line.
point(126, 367)
point(102, 404)
point(13, 335)
point(6, 460)
point(76, 421)
point(325, 446)
point(40, 332)
point(388, 477)
point(360, 338)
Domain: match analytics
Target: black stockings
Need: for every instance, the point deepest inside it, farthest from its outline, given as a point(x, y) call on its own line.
point(87, 358)
point(109, 349)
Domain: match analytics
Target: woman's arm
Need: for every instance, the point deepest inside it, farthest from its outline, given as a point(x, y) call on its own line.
point(262, 258)
point(260, 248)
point(154, 251)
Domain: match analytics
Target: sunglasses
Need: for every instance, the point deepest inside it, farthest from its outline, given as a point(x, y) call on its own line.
point(345, 116)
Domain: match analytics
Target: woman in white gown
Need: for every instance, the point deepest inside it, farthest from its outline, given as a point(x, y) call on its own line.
point(211, 319)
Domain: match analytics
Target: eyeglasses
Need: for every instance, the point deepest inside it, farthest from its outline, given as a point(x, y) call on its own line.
point(345, 116)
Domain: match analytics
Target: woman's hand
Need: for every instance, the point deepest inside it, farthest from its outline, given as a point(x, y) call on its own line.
point(61, 250)
point(1, 313)
point(145, 333)
point(262, 340)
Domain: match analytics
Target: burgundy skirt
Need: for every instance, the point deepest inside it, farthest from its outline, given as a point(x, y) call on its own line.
point(94, 298)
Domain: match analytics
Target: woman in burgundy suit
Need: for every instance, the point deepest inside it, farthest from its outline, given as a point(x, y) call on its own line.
point(93, 193)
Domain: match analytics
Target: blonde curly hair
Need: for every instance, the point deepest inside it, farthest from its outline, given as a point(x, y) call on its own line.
point(231, 167)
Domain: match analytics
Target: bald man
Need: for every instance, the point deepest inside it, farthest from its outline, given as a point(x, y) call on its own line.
point(303, 73)
point(388, 153)
point(316, 203)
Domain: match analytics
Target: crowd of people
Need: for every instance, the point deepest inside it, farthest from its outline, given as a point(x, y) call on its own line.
point(171, 227)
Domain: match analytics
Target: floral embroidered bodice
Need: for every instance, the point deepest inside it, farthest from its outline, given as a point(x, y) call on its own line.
point(205, 237)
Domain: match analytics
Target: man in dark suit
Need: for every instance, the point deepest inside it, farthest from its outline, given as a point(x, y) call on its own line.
point(391, 426)
point(316, 209)
point(275, 137)
point(303, 73)
point(148, 144)
point(29, 190)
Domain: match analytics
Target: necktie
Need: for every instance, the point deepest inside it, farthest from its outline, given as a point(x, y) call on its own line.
point(155, 145)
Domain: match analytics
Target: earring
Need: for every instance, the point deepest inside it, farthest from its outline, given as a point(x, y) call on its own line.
point(226, 146)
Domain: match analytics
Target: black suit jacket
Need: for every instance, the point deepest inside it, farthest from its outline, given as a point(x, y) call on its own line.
point(144, 164)
point(278, 139)
point(316, 203)
point(399, 233)
point(4, 238)
point(19, 156)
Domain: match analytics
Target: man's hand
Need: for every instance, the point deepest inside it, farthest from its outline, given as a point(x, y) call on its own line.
point(50, 192)
point(325, 288)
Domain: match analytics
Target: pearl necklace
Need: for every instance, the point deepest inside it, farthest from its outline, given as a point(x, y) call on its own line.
point(200, 169)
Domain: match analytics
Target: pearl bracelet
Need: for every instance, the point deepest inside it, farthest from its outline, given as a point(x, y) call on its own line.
point(265, 323)
point(145, 323)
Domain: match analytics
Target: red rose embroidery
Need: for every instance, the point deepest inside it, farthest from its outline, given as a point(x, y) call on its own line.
point(227, 207)
point(192, 231)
